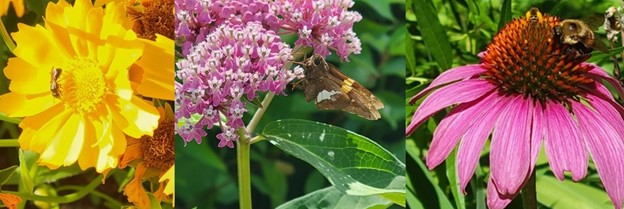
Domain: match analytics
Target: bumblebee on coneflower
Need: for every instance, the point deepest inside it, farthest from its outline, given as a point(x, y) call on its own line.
point(529, 89)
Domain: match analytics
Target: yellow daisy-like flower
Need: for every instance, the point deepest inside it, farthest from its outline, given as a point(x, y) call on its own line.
point(70, 80)
point(18, 5)
point(153, 156)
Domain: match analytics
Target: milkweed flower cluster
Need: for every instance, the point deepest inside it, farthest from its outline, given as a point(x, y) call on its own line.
point(232, 50)
point(525, 93)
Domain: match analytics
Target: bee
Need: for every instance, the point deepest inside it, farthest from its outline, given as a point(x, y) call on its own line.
point(576, 34)
point(534, 15)
point(54, 86)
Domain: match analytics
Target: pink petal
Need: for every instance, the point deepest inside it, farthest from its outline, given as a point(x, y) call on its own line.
point(496, 200)
point(460, 92)
point(564, 145)
point(453, 126)
point(473, 141)
point(600, 73)
point(608, 111)
point(510, 155)
point(454, 74)
point(606, 148)
point(537, 133)
point(605, 95)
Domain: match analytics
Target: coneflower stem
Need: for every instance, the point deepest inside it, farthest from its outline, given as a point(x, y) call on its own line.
point(6, 37)
point(244, 175)
point(529, 194)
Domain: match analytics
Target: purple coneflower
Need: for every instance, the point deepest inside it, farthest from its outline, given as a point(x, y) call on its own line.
point(528, 89)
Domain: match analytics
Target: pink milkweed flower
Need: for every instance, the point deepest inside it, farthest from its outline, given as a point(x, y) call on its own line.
point(529, 89)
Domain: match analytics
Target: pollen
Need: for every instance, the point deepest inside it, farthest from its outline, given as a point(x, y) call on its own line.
point(82, 85)
point(527, 58)
point(158, 150)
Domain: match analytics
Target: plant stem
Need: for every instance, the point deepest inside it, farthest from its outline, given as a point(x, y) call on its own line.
point(6, 37)
point(260, 112)
point(9, 143)
point(244, 174)
point(529, 194)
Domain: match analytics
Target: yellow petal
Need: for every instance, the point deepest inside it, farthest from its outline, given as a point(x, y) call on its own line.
point(30, 126)
point(36, 46)
point(158, 63)
point(136, 118)
point(66, 143)
point(19, 105)
point(26, 78)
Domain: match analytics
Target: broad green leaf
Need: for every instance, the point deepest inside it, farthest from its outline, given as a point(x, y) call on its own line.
point(433, 34)
point(6, 173)
point(331, 197)
point(354, 164)
point(451, 174)
point(567, 194)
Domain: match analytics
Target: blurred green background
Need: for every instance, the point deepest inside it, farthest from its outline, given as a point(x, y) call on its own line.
point(445, 34)
point(206, 175)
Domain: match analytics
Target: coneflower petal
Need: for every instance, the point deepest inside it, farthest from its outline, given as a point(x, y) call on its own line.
point(599, 73)
point(564, 145)
point(510, 149)
point(496, 200)
point(475, 137)
point(606, 148)
point(456, 93)
point(454, 125)
point(537, 133)
point(458, 73)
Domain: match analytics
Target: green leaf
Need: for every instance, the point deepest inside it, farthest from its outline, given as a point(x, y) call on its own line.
point(433, 34)
point(451, 174)
point(354, 164)
point(505, 14)
point(567, 194)
point(331, 197)
point(381, 7)
point(44, 174)
point(27, 161)
point(423, 181)
point(6, 173)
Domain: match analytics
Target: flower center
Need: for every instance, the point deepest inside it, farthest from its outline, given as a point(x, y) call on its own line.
point(527, 57)
point(82, 85)
point(156, 18)
point(158, 150)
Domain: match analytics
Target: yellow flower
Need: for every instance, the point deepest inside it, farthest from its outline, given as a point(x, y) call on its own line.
point(153, 156)
point(18, 5)
point(70, 80)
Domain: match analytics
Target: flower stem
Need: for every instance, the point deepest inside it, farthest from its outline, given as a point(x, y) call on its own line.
point(9, 143)
point(244, 174)
point(260, 112)
point(529, 194)
point(6, 37)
